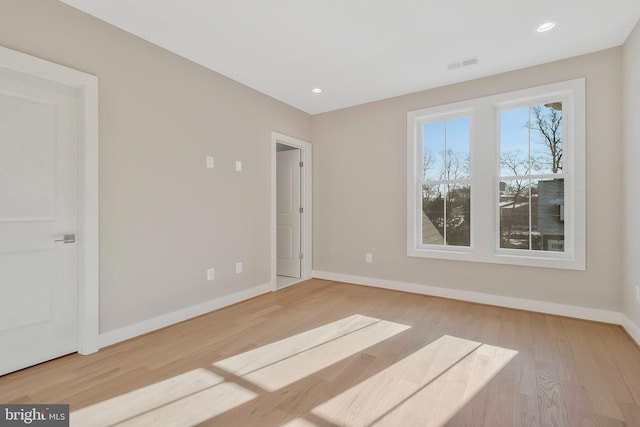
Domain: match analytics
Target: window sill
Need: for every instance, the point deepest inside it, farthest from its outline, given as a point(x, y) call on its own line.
point(542, 260)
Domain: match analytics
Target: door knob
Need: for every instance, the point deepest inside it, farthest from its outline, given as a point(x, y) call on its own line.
point(68, 238)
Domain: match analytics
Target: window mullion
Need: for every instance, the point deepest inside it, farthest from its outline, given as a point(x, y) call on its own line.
point(530, 176)
point(530, 217)
point(447, 171)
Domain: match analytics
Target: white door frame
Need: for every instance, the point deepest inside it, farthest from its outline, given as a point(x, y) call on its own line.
point(88, 277)
point(306, 200)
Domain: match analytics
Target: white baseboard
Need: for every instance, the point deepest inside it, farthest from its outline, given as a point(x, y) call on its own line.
point(586, 313)
point(112, 337)
point(632, 329)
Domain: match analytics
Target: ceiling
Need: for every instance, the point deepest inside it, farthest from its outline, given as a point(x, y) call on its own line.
point(360, 51)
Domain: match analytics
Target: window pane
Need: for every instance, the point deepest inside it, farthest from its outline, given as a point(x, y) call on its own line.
point(514, 142)
point(548, 219)
point(514, 214)
point(456, 230)
point(458, 215)
point(433, 149)
point(531, 140)
point(457, 146)
point(446, 150)
point(546, 138)
point(433, 214)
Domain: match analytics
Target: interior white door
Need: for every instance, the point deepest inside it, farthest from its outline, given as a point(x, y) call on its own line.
point(38, 205)
point(288, 177)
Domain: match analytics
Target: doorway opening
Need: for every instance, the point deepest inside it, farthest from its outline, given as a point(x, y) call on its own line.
point(291, 258)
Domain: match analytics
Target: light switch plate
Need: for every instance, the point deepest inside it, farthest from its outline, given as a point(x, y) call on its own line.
point(238, 267)
point(210, 162)
point(238, 166)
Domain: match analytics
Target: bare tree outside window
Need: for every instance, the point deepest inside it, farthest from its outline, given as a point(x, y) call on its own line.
point(546, 126)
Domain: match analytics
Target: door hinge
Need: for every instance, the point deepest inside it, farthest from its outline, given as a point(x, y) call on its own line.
point(301, 210)
point(301, 164)
point(301, 255)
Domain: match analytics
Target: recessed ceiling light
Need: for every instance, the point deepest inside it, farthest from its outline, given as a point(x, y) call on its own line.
point(546, 26)
point(316, 90)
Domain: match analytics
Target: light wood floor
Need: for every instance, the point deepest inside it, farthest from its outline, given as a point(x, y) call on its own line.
point(327, 354)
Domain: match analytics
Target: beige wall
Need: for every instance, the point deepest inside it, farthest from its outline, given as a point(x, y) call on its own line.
point(164, 217)
point(360, 191)
point(631, 54)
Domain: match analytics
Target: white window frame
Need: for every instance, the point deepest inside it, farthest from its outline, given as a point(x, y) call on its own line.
point(484, 179)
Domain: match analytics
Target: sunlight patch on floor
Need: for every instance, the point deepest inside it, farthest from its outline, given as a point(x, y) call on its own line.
point(282, 363)
point(145, 399)
point(196, 408)
point(299, 422)
point(198, 395)
point(426, 388)
point(189, 393)
point(268, 354)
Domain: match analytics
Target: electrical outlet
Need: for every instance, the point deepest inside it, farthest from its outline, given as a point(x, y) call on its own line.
point(238, 267)
point(211, 273)
point(368, 258)
point(638, 293)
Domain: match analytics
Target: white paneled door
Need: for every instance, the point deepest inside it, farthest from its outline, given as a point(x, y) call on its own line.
point(38, 220)
point(288, 213)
